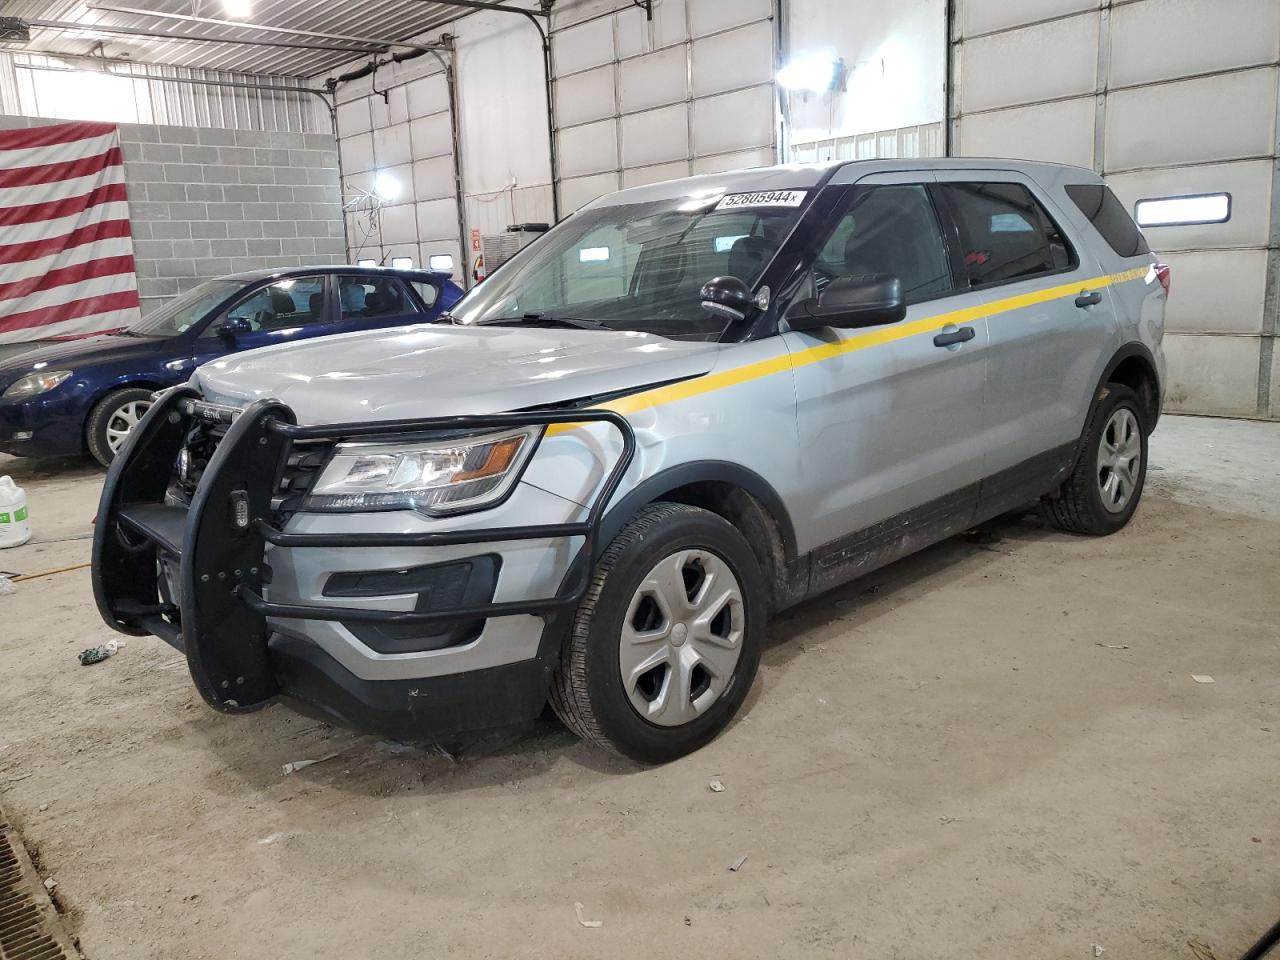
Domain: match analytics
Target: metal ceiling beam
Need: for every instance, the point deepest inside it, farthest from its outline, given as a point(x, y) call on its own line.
point(187, 38)
point(241, 25)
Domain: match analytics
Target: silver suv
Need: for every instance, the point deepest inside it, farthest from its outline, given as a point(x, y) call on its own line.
point(688, 406)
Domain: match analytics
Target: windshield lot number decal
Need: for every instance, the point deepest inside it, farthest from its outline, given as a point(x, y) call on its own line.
point(767, 198)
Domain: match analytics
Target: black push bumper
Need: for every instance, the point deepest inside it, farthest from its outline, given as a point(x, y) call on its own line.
point(194, 575)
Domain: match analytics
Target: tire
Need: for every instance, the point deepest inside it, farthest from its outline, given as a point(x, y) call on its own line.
point(111, 413)
point(695, 548)
point(1085, 504)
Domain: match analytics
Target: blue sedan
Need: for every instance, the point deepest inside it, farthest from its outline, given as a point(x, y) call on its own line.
point(65, 398)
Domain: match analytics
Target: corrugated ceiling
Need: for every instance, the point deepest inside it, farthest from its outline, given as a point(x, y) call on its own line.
point(378, 19)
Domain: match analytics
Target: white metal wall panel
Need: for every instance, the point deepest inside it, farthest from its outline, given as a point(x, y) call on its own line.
point(437, 219)
point(1249, 184)
point(692, 85)
point(725, 62)
point(639, 176)
point(1044, 62)
point(427, 95)
point(393, 109)
point(354, 118)
point(586, 96)
point(577, 192)
point(655, 136)
point(391, 145)
point(733, 121)
point(987, 16)
point(399, 224)
point(1060, 132)
point(1169, 124)
point(588, 149)
point(711, 16)
point(584, 46)
point(356, 152)
point(1166, 39)
point(1219, 291)
point(760, 157)
point(653, 80)
point(433, 179)
point(431, 136)
point(1164, 98)
point(1209, 373)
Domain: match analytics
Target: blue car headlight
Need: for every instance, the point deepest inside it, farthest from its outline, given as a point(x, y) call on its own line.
point(34, 384)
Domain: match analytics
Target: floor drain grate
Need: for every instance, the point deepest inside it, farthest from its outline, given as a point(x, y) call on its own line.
point(29, 926)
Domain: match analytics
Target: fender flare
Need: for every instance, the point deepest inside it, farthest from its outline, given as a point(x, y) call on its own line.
point(1128, 351)
point(700, 471)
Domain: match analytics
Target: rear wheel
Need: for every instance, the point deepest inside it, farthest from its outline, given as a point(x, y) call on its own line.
point(667, 640)
point(1106, 483)
point(113, 419)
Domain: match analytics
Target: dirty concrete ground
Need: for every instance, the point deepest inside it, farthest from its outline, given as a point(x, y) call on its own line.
point(993, 749)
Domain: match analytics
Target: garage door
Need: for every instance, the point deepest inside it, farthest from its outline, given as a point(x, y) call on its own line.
point(639, 101)
point(409, 138)
point(1166, 98)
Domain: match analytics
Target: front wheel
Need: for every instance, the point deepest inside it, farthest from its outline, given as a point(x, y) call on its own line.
point(1106, 483)
point(666, 642)
point(113, 419)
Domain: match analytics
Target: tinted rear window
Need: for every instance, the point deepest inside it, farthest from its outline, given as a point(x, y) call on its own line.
point(1109, 217)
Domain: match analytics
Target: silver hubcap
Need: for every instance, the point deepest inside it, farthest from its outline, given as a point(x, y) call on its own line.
point(123, 421)
point(682, 637)
point(1119, 459)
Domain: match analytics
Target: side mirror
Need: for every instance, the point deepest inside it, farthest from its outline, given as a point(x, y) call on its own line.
point(727, 297)
point(851, 302)
point(233, 327)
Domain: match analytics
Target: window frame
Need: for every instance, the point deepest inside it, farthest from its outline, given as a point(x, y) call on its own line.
point(946, 201)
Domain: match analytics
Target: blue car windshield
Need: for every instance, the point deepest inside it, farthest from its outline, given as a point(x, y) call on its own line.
point(636, 266)
point(180, 313)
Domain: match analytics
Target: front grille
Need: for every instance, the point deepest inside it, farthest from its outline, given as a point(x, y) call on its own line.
point(306, 460)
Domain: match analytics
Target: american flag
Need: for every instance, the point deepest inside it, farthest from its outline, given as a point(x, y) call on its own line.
point(66, 250)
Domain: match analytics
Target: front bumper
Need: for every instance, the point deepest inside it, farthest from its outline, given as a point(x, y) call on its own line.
point(200, 577)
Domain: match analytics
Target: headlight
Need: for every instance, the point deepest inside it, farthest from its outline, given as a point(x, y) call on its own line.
point(34, 384)
point(446, 476)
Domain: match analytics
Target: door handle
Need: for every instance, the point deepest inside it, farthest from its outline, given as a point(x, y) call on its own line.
point(953, 337)
point(1091, 299)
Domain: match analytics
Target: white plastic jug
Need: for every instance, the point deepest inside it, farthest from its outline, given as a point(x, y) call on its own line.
point(15, 525)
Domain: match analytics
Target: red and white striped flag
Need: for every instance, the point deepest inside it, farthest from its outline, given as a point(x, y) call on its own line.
point(66, 250)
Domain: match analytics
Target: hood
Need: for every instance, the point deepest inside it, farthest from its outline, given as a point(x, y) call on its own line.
point(76, 354)
point(440, 371)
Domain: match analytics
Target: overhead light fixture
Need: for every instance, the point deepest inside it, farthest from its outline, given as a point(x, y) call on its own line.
point(240, 9)
point(386, 186)
point(815, 73)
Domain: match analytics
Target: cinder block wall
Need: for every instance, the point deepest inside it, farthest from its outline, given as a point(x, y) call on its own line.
point(207, 202)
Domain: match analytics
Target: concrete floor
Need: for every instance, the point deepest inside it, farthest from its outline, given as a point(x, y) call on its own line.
point(992, 749)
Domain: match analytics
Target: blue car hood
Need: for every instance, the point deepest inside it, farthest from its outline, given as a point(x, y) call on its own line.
point(77, 354)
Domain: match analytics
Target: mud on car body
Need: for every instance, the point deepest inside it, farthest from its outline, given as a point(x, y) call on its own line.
point(688, 406)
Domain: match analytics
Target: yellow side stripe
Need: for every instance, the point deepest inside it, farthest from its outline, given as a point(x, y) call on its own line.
point(873, 338)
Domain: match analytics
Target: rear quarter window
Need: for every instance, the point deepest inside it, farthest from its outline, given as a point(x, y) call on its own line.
point(1109, 218)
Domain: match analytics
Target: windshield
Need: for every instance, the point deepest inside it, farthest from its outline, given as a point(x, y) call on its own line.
point(180, 313)
point(638, 266)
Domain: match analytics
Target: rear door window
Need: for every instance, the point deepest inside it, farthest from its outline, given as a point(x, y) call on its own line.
point(1005, 233)
point(1109, 217)
point(363, 297)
